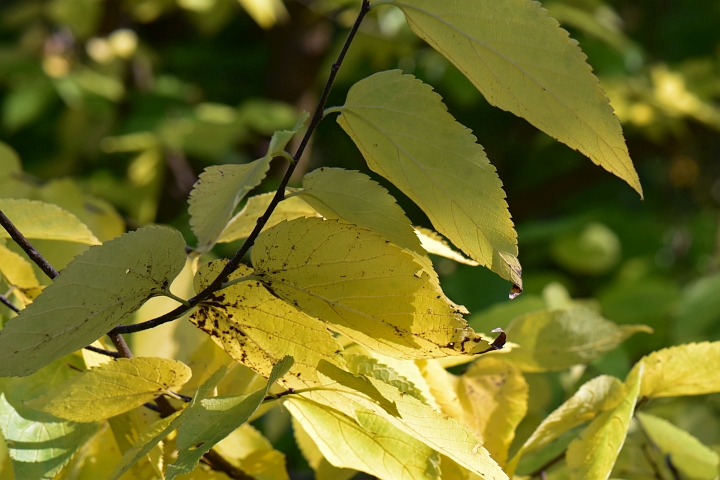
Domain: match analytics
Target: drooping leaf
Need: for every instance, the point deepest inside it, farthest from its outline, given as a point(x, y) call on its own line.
point(247, 449)
point(558, 339)
point(324, 470)
point(676, 371)
point(220, 189)
point(44, 221)
point(364, 287)
point(113, 388)
point(95, 293)
point(593, 454)
point(367, 442)
point(363, 365)
point(354, 197)
point(406, 134)
point(16, 270)
point(523, 62)
point(209, 421)
point(433, 243)
point(244, 222)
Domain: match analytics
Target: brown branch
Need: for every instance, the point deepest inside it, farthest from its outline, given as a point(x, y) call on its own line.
point(20, 239)
point(4, 300)
point(102, 351)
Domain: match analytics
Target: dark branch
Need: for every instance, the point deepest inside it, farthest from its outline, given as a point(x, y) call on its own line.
point(20, 239)
point(550, 463)
point(122, 347)
point(234, 262)
point(4, 300)
point(103, 351)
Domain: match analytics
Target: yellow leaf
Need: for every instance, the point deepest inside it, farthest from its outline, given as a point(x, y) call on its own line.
point(45, 221)
point(242, 224)
point(523, 62)
point(93, 294)
point(689, 369)
point(433, 243)
point(352, 196)
point(258, 329)
point(324, 470)
point(406, 134)
point(367, 366)
point(558, 339)
point(113, 388)
point(265, 12)
point(364, 287)
point(252, 453)
point(126, 429)
point(16, 270)
point(593, 454)
point(367, 442)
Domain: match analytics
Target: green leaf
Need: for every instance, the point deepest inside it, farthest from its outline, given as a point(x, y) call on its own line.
point(324, 470)
point(359, 442)
point(595, 250)
point(209, 421)
point(244, 222)
point(676, 371)
point(434, 243)
point(9, 161)
point(371, 367)
point(352, 196)
point(113, 388)
point(523, 62)
point(593, 454)
point(406, 134)
point(364, 287)
point(258, 329)
point(44, 221)
point(699, 309)
point(93, 294)
point(553, 340)
point(687, 453)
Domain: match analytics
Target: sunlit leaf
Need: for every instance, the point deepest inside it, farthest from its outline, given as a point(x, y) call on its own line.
point(593, 454)
point(433, 243)
point(367, 366)
point(265, 12)
point(45, 221)
point(324, 470)
point(558, 339)
point(406, 134)
point(16, 270)
point(113, 388)
point(364, 287)
point(95, 293)
point(523, 62)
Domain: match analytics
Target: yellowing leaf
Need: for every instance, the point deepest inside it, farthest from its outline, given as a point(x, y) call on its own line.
point(248, 450)
point(593, 454)
point(324, 470)
point(363, 365)
point(265, 12)
point(406, 134)
point(523, 62)
point(364, 287)
point(433, 243)
point(558, 339)
point(93, 294)
point(337, 377)
point(244, 222)
point(367, 442)
point(689, 369)
point(44, 221)
point(258, 329)
point(352, 196)
point(16, 270)
point(113, 388)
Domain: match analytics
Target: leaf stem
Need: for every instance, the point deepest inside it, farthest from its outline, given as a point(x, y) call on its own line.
point(20, 239)
point(169, 294)
point(237, 280)
point(4, 300)
point(330, 110)
point(234, 262)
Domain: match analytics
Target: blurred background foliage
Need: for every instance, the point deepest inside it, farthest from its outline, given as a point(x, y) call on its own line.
point(115, 107)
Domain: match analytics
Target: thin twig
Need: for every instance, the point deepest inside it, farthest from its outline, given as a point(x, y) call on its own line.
point(4, 300)
point(102, 351)
point(234, 262)
point(20, 239)
point(217, 462)
point(120, 344)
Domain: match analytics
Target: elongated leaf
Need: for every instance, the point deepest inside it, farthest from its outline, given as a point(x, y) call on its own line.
point(367, 366)
point(368, 442)
point(244, 222)
point(523, 62)
point(353, 197)
point(220, 189)
point(39, 220)
point(93, 294)
point(324, 470)
point(406, 135)
point(676, 371)
point(113, 388)
point(558, 339)
point(209, 421)
point(363, 286)
point(258, 329)
point(433, 243)
point(16, 270)
point(593, 455)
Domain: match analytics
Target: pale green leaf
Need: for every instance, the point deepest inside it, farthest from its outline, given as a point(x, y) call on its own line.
point(593, 454)
point(367, 442)
point(244, 222)
point(364, 287)
point(9, 161)
point(354, 197)
point(558, 339)
point(523, 62)
point(698, 310)
point(433, 243)
point(687, 453)
point(677, 371)
point(209, 421)
point(95, 293)
point(113, 388)
point(16, 270)
point(324, 470)
point(247, 449)
point(406, 134)
point(44, 221)
point(367, 366)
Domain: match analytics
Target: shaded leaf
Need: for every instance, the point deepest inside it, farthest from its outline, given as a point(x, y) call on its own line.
point(406, 134)
point(252, 453)
point(367, 366)
point(44, 221)
point(433, 243)
point(335, 377)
